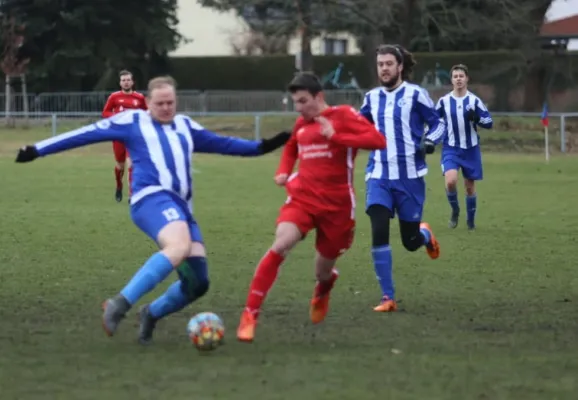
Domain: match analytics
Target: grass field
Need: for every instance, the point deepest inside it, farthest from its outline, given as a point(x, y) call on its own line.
point(496, 317)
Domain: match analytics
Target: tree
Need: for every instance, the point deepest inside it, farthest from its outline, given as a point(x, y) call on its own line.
point(74, 41)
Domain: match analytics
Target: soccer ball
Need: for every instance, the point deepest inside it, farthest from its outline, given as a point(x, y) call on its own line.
point(206, 330)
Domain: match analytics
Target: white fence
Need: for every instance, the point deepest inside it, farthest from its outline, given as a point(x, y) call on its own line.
point(58, 121)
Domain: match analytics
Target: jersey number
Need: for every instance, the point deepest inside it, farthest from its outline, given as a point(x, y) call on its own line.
point(171, 214)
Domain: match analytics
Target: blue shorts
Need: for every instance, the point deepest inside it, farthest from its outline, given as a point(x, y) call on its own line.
point(155, 211)
point(404, 196)
point(469, 160)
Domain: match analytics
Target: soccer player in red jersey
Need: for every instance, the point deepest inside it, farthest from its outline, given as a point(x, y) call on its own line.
point(325, 140)
point(124, 99)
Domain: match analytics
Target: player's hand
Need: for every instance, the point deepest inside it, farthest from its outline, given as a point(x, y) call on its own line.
point(27, 154)
point(281, 179)
point(269, 145)
point(327, 128)
point(427, 146)
point(472, 116)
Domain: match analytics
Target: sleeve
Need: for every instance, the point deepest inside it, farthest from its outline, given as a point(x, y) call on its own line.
point(290, 154)
point(357, 132)
point(365, 109)
point(144, 103)
point(117, 128)
point(425, 107)
point(482, 112)
point(205, 141)
point(440, 108)
point(108, 110)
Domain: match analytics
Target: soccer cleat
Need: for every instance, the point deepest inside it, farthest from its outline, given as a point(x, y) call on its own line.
point(147, 324)
point(118, 195)
point(432, 247)
point(114, 311)
point(319, 305)
point(471, 225)
point(386, 305)
point(246, 329)
point(318, 308)
point(454, 218)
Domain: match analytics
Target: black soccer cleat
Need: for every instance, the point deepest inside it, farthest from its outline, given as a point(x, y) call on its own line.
point(147, 324)
point(454, 218)
point(471, 225)
point(118, 195)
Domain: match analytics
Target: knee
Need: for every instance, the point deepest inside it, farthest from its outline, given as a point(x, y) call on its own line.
point(451, 179)
point(470, 187)
point(177, 251)
point(194, 277)
point(412, 241)
point(287, 236)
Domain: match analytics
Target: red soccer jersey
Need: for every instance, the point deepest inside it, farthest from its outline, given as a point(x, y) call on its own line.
point(324, 179)
point(120, 101)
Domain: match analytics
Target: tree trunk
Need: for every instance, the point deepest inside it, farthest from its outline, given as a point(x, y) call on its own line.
point(306, 57)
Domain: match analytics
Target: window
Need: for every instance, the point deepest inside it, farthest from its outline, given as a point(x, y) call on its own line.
point(335, 46)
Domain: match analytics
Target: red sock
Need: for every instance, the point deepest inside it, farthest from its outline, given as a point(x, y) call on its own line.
point(263, 280)
point(324, 287)
point(130, 181)
point(118, 174)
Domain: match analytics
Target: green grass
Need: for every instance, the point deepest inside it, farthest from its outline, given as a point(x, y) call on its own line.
point(495, 317)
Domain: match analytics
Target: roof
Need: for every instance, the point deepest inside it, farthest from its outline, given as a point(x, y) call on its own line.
point(565, 28)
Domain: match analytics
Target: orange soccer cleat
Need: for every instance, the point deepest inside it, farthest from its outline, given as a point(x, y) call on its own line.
point(386, 305)
point(319, 305)
point(318, 308)
point(246, 329)
point(433, 247)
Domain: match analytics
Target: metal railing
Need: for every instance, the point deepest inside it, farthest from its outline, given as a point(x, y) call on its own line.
point(254, 121)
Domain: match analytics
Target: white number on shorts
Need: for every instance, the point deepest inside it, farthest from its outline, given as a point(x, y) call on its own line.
point(171, 214)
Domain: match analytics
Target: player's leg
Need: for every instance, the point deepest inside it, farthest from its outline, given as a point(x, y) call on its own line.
point(164, 220)
point(410, 200)
point(450, 167)
point(335, 233)
point(129, 164)
point(472, 171)
point(379, 208)
point(193, 283)
point(293, 223)
point(120, 157)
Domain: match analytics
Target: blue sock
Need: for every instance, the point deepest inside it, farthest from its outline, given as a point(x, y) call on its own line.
point(471, 204)
point(173, 300)
point(453, 200)
point(426, 236)
point(154, 271)
point(382, 263)
point(193, 283)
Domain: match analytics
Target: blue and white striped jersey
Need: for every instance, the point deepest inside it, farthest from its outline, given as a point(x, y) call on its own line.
point(161, 154)
point(401, 115)
point(462, 133)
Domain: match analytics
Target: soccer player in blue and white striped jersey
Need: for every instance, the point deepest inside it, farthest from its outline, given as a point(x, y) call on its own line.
point(395, 176)
point(463, 113)
point(161, 144)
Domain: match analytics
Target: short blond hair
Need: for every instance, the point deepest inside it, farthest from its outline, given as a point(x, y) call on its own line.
point(161, 81)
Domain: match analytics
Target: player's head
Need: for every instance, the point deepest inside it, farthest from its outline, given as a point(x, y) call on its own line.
point(126, 80)
point(394, 64)
point(162, 99)
point(307, 93)
point(460, 76)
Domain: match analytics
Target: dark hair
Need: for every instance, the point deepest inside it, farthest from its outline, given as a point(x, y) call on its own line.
point(124, 72)
point(401, 55)
point(305, 81)
point(460, 67)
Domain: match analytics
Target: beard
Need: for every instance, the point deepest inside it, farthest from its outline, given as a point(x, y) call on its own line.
point(391, 82)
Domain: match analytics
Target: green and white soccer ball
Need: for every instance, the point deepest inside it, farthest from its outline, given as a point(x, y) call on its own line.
point(206, 331)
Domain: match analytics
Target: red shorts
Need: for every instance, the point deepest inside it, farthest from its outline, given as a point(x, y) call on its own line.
point(120, 153)
point(334, 229)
